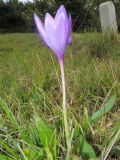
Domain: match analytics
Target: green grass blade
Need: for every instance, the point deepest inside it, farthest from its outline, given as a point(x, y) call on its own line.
point(11, 151)
point(9, 113)
point(13, 120)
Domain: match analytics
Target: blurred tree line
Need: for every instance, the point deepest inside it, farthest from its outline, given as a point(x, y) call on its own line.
point(17, 16)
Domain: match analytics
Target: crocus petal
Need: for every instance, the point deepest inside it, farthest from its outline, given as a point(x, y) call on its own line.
point(59, 11)
point(57, 31)
point(49, 23)
point(41, 29)
point(63, 10)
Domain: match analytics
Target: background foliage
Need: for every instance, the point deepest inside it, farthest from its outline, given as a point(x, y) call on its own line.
point(16, 16)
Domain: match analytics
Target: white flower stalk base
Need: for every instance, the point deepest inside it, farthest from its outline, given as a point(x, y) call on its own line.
point(65, 109)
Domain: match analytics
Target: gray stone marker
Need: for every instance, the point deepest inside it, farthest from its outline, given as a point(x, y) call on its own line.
point(108, 16)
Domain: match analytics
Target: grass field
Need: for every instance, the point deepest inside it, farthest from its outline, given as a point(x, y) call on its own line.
point(31, 98)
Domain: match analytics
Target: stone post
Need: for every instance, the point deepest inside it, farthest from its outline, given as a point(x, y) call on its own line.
point(108, 17)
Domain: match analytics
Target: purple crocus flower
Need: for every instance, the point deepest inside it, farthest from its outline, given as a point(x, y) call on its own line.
point(55, 32)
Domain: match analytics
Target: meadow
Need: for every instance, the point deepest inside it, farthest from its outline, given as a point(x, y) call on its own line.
point(31, 126)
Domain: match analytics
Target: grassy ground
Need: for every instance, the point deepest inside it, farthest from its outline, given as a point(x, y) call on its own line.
point(30, 85)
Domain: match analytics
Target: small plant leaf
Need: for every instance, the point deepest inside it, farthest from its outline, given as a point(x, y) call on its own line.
point(103, 110)
point(116, 126)
point(4, 157)
point(49, 154)
point(74, 157)
point(85, 149)
point(47, 137)
point(45, 132)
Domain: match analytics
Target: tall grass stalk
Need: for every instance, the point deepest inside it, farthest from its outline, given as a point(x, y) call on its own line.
point(111, 144)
